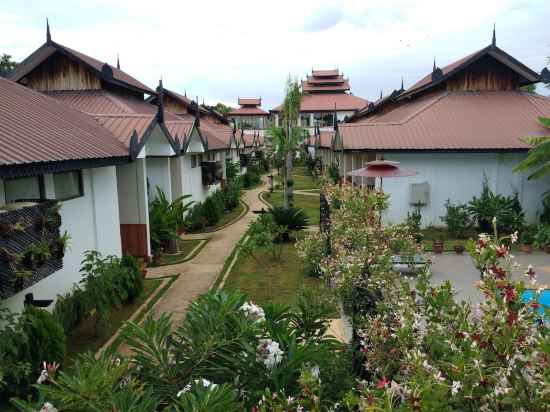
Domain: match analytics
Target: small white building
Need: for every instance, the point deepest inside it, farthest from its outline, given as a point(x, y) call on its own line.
point(455, 127)
point(50, 151)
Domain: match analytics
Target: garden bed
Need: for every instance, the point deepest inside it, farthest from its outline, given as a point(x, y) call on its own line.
point(276, 281)
point(227, 219)
point(83, 337)
point(188, 250)
point(309, 203)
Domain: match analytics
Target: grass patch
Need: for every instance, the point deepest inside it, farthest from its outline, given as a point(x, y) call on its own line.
point(275, 281)
point(310, 204)
point(114, 346)
point(185, 246)
point(83, 338)
point(301, 181)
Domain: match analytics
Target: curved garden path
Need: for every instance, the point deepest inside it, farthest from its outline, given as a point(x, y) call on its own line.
point(198, 274)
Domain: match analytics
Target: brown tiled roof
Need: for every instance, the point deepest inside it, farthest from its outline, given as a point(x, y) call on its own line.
point(218, 136)
point(120, 114)
point(248, 111)
point(325, 73)
point(325, 138)
point(47, 49)
point(255, 101)
point(36, 128)
point(488, 121)
point(493, 51)
point(326, 101)
point(326, 80)
point(323, 87)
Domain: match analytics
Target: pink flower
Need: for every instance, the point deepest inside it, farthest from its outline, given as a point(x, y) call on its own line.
point(502, 251)
point(382, 383)
point(510, 293)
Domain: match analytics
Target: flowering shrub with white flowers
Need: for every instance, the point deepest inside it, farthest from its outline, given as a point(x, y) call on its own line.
point(224, 357)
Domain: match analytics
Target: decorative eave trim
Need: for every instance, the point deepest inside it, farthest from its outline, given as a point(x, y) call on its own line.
point(494, 150)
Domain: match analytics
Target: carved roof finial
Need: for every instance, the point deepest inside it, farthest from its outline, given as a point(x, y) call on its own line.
point(435, 67)
point(494, 42)
point(117, 61)
point(160, 100)
point(402, 85)
point(335, 118)
point(380, 94)
point(198, 114)
point(48, 34)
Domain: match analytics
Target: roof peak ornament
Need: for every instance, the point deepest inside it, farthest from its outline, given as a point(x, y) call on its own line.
point(48, 34)
point(437, 73)
point(335, 118)
point(198, 114)
point(160, 102)
point(380, 94)
point(107, 71)
point(117, 61)
point(402, 85)
point(494, 41)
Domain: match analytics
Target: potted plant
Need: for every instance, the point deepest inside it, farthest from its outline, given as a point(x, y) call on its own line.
point(542, 238)
point(527, 237)
point(458, 248)
point(438, 245)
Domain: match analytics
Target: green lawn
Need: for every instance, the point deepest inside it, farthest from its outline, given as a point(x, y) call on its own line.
point(310, 204)
point(83, 337)
point(271, 281)
point(185, 247)
point(301, 182)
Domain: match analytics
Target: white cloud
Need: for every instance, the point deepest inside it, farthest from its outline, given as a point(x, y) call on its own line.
point(220, 50)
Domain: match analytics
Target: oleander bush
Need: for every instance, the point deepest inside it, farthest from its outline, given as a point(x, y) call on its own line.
point(224, 357)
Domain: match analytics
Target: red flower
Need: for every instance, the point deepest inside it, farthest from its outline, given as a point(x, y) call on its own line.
point(499, 272)
point(511, 318)
point(382, 383)
point(502, 251)
point(535, 305)
point(530, 273)
point(510, 293)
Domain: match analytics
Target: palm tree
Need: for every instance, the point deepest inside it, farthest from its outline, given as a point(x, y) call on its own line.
point(538, 158)
point(286, 140)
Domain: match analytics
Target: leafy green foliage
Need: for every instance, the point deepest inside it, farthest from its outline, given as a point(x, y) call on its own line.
point(292, 219)
point(538, 158)
point(457, 219)
point(490, 205)
point(107, 282)
point(221, 398)
point(165, 218)
point(214, 207)
point(45, 335)
point(542, 237)
point(232, 169)
point(312, 250)
point(7, 65)
point(263, 235)
point(15, 367)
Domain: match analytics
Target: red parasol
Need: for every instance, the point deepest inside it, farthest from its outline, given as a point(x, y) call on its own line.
point(381, 169)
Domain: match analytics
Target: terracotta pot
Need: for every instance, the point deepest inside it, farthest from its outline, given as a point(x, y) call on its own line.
point(547, 248)
point(438, 247)
point(459, 249)
point(526, 248)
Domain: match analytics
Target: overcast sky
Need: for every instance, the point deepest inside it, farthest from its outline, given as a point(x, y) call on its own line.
point(219, 50)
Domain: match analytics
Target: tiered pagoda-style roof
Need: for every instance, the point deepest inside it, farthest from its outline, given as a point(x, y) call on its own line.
point(249, 107)
point(325, 91)
point(473, 104)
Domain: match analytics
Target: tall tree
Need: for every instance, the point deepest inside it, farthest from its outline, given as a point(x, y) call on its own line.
point(538, 158)
point(222, 108)
point(286, 139)
point(7, 65)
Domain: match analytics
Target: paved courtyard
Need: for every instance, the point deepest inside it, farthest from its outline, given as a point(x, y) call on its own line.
point(460, 270)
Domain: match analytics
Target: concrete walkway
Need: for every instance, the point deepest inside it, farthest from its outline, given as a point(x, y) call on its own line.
point(198, 274)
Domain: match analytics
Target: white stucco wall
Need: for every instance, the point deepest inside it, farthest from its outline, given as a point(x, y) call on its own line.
point(92, 221)
point(158, 175)
point(458, 177)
